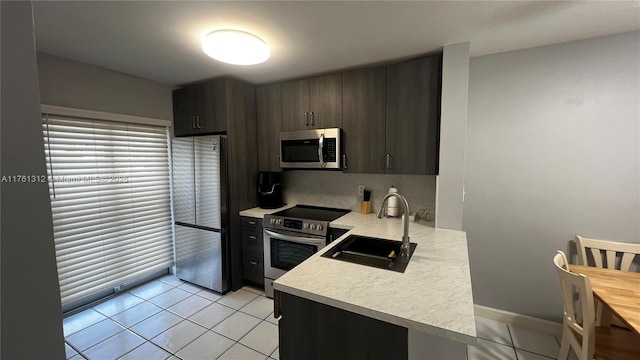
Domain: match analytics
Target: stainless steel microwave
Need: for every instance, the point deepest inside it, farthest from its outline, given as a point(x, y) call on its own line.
point(310, 149)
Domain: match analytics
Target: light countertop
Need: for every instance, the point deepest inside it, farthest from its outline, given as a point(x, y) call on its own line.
point(260, 213)
point(433, 295)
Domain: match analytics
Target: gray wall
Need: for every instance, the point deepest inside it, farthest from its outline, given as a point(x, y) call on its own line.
point(73, 84)
point(552, 151)
point(31, 312)
point(453, 128)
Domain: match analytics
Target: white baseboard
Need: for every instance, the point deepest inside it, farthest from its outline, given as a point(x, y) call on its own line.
point(519, 320)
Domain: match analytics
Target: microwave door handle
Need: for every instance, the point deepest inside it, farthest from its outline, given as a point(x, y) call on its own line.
point(321, 150)
point(301, 240)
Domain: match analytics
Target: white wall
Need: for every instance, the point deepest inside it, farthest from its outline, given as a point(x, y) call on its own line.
point(552, 151)
point(31, 312)
point(73, 84)
point(453, 128)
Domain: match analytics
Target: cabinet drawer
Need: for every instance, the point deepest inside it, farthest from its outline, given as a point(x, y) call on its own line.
point(253, 269)
point(252, 243)
point(252, 224)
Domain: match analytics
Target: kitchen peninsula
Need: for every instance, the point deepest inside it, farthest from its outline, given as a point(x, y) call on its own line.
point(336, 309)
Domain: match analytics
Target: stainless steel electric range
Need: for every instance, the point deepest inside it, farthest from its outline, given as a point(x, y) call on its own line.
point(291, 236)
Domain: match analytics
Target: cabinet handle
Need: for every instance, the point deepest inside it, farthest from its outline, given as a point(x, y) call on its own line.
point(311, 113)
point(252, 237)
point(253, 262)
point(193, 122)
point(306, 119)
point(252, 222)
point(344, 161)
point(198, 122)
point(388, 161)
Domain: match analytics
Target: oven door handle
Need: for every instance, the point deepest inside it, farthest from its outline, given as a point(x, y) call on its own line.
point(298, 239)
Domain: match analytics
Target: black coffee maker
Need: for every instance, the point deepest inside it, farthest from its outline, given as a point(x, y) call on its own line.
point(269, 189)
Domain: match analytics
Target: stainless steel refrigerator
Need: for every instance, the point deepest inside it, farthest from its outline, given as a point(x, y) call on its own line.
point(200, 210)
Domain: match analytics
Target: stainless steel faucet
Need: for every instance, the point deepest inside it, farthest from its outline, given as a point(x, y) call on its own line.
point(404, 248)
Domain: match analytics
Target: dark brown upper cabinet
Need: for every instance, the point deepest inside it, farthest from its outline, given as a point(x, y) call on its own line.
point(363, 121)
point(413, 116)
point(312, 103)
point(197, 108)
point(269, 114)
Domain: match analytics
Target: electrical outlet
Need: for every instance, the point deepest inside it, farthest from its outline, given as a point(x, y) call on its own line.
point(360, 192)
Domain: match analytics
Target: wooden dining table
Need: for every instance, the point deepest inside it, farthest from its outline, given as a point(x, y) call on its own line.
point(618, 290)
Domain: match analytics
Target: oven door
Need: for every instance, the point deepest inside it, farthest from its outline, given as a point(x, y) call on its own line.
point(319, 149)
point(283, 250)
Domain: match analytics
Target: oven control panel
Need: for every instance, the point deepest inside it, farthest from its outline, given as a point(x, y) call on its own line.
point(305, 226)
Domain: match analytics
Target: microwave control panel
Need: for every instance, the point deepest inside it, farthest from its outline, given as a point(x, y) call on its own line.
point(330, 150)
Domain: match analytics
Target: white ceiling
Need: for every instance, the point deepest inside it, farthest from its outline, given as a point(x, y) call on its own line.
point(161, 40)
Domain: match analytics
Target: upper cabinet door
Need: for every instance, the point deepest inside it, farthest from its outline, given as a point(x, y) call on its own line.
point(364, 121)
point(197, 109)
point(295, 105)
point(211, 101)
point(183, 112)
point(312, 103)
point(413, 116)
point(184, 190)
point(325, 101)
point(269, 113)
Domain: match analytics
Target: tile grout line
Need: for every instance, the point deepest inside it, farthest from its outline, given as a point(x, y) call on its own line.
point(513, 344)
point(530, 351)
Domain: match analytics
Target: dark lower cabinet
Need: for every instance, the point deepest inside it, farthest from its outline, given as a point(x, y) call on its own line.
point(310, 330)
point(252, 251)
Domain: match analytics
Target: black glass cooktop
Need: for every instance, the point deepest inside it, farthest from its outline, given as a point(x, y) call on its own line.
point(312, 213)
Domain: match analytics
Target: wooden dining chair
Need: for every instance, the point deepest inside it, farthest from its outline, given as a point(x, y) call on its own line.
point(608, 255)
point(583, 337)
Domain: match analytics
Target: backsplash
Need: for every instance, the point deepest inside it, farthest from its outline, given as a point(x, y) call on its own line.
point(339, 190)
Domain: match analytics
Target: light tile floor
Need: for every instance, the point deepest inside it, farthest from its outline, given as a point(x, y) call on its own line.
point(170, 319)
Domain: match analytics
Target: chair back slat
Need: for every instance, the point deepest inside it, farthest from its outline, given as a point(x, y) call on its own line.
point(611, 259)
point(627, 259)
point(597, 257)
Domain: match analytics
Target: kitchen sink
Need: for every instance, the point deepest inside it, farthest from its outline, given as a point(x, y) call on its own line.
point(370, 251)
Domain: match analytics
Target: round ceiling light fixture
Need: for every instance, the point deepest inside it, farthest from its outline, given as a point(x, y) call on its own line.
point(235, 47)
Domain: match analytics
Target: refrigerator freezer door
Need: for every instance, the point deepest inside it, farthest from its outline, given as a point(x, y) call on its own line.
point(199, 258)
point(208, 181)
point(184, 191)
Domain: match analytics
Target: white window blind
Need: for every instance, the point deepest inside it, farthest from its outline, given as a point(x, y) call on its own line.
point(110, 200)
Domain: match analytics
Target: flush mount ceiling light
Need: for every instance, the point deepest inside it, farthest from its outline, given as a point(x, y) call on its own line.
point(235, 47)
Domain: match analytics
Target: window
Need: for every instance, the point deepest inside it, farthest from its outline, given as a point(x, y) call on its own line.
point(110, 201)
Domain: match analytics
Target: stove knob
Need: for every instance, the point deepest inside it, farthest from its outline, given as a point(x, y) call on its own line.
point(306, 226)
point(273, 221)
point(313, 226)
point(279, 221)
point(319, 227)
